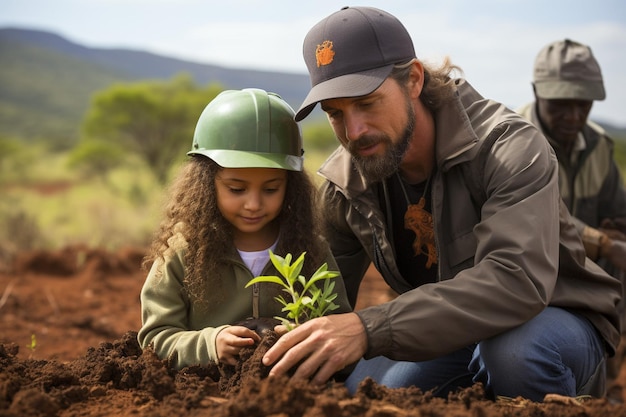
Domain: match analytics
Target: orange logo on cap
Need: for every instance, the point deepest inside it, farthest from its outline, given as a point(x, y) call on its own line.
point(324, 53)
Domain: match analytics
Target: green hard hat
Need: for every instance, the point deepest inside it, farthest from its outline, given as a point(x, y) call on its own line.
point(249, 128)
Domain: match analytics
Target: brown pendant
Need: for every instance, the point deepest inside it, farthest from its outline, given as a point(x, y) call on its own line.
point(421, 223)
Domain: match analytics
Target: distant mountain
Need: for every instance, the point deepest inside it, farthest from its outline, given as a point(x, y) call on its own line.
point(46, 81)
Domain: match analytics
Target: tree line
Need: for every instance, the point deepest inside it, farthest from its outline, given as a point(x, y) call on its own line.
point(154, 121)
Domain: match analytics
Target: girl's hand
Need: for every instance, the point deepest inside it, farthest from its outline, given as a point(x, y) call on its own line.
point(231, 340)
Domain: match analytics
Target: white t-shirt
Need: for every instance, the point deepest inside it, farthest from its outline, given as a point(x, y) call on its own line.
point(256, 261)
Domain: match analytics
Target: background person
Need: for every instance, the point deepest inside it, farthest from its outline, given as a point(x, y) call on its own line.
point(566, 81)
point(242, 193)
point(493, 281)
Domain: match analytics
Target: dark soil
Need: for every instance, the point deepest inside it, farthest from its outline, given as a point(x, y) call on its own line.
point(82, 306)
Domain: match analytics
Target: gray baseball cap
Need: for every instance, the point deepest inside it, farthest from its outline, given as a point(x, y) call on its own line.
point(568, 70)
point(351, 52)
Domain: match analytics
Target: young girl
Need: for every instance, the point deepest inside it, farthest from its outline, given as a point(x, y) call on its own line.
point(242, 193)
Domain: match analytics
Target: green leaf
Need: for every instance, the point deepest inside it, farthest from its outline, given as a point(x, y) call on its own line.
point(321, 273)
point(281, 264)
point(294, 270)
point(266, 278)
point(281, 300)
point(302, 280)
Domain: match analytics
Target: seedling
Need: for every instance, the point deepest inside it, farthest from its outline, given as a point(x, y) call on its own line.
point(312, 301)
point(33, 345)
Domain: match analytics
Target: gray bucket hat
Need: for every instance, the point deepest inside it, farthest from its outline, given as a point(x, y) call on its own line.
point(568, 70)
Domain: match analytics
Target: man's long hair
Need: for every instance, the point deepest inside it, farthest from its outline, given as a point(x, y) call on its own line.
point(439, 86)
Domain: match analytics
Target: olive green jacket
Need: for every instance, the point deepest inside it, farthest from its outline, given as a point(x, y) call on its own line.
point(185, 332)
point(499, 264)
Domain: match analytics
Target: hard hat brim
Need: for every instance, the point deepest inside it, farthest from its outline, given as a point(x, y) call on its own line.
point(242, 159)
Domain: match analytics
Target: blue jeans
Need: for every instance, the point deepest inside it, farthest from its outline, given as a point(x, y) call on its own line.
point(555, 352)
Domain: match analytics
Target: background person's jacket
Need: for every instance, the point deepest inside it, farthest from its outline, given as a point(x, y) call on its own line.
point(498, 265)
point(591, 186)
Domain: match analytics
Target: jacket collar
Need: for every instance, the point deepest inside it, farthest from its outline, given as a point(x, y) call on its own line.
point(454, 134)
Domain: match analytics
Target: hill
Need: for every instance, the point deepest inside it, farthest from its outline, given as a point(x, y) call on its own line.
point(46, 81)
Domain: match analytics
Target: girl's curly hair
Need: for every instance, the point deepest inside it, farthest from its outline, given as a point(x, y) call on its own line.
point(192, 211)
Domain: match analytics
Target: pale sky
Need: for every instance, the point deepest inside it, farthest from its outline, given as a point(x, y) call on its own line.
point(494, 41)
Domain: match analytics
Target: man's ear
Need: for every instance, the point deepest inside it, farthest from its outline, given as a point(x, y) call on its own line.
point(416, 79)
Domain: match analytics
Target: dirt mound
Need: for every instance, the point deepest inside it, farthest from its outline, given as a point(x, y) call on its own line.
point(120, 379)
point(78, 258)
point(68, 347)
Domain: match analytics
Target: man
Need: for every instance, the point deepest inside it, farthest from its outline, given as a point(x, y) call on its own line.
point(475, 258)
point(567, 79)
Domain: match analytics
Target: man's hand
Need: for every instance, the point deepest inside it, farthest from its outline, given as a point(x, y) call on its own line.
point(614, 228)
point(615, 252)
point(325, 345)
point(231, 340)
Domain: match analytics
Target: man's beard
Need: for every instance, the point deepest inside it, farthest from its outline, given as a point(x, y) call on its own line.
point(378, 167)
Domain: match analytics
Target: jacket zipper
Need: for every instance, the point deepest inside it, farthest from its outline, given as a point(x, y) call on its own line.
point(255, 300)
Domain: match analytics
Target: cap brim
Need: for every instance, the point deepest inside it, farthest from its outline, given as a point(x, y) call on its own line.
point(349, 85)
point(575, 90)
point(240, 159)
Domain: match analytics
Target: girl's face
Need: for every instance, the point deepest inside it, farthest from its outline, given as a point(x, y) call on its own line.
point(250, 198)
